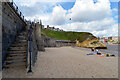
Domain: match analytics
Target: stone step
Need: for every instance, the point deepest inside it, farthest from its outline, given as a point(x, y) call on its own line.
point(17, 52)
point(13, 55)
point(16, 45)
point(16, 57)
point(15, 61)
point(25, 43)
point(24, 38)
point(21, 37)
point(17, 48)
point(22, 34)
point(20, 41)
point(20, 64)
point(13, 49)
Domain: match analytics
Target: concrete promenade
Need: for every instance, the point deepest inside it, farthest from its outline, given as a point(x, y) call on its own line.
point(68, 62)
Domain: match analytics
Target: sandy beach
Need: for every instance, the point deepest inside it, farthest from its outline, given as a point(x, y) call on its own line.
point(68, 62)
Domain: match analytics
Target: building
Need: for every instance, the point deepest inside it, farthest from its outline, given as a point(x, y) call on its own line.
point(47, 27)
point(115, 38)
point(104, 40)
point(53, 28)
point(109, 38)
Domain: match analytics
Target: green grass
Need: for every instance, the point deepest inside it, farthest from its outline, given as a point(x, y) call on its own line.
point(81, 36)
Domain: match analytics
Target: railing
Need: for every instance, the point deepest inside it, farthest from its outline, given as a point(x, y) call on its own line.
point(27, 37)
point(31, 47)
point(17, 9)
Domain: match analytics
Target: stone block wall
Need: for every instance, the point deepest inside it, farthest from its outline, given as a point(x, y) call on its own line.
point(61, 44)
point(38, 37)
point(49, 42)
point(34, 48)
point(12, 24)
point(0, 36)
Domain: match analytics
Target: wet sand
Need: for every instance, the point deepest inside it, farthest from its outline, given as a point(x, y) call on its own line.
point(68, 62)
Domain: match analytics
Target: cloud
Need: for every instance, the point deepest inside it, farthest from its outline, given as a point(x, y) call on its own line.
point(37, 18)
point(90, 26)
point(114, 9)
point(116, 16)
point(32, 3)
point(106, 27)
point(26, 2)
point(83, 10)
point(111, 31)
point(87, 10)
point(58, 16)
point(32, 8)
point(86, 16)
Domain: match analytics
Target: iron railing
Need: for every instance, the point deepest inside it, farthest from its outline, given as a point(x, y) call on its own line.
point(31, 47)
point(17, 9)
point(30, 52)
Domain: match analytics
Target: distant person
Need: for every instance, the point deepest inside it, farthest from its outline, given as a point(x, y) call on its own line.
point(92, 49)
point(97, 50)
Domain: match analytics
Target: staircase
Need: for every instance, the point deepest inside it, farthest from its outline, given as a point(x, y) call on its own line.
point(17, 53)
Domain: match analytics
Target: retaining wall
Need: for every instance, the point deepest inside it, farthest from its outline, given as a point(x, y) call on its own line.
point(38, 37)
point(12, 24)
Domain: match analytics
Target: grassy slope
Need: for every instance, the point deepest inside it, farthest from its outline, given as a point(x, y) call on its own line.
point(81, 36)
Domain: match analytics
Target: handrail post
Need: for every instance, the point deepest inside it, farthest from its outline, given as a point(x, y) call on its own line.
point(30, 57)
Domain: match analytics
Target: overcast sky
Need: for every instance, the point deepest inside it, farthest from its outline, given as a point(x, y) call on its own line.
point(99, 18)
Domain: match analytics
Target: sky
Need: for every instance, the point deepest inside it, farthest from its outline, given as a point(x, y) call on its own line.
point(99, 17)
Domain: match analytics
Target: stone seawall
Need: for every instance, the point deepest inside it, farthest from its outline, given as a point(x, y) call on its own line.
point(61, 44)
point(38, 37)
point(0, 37)
point(12, 24)
point(51, 42)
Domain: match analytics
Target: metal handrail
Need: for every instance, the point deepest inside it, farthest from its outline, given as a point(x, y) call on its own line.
point(30, 52)
point(27, 36)
point(17, 9)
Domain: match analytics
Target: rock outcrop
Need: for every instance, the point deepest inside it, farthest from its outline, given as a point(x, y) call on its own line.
point(95, 43)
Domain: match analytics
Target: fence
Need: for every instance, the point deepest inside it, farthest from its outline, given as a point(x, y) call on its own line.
point(17, 9)
point(32, 49)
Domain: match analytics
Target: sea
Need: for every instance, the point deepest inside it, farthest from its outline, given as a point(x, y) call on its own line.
point(111, 48)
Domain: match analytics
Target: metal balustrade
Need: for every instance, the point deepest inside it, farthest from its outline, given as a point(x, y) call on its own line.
point(17, 9)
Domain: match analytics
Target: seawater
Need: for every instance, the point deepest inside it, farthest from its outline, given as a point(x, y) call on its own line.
point(113, 49)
